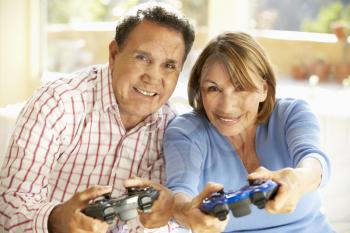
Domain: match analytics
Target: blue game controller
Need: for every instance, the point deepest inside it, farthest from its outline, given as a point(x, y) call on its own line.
point(258, 192)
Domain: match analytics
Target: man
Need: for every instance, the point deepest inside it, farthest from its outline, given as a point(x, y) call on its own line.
point(82, 136)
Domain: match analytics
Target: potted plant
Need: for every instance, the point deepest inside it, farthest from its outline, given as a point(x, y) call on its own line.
point(333, 18)
point(321, 68)
point(300, 71)
point(341, 69)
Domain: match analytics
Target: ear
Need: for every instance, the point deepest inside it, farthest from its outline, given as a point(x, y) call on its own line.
point(113, 51)
point(263, 93)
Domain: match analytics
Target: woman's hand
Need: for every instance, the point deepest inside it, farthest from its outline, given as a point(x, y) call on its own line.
point(188, 214)
point(293, 184)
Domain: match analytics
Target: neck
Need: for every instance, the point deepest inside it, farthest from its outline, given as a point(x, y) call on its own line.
point(244, 145)
point(130, 122)
point(244, 140)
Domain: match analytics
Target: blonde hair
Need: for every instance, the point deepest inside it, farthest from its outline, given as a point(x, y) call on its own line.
point(242, 56)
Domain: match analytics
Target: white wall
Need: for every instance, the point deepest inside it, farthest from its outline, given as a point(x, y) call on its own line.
point(19, 43)
point(227, 15)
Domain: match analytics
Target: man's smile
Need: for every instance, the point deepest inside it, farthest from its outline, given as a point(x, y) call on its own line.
point(144, 92)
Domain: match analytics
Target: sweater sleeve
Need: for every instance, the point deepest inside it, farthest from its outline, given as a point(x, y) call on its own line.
point(184, 154)
point(303, 137)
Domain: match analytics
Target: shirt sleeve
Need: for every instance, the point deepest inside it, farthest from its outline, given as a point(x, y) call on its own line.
point(183, 155)
point(302, 132)
point(33, 150)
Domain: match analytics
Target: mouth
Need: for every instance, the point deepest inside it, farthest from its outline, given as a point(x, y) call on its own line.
point(229, 120)
point(146, 93)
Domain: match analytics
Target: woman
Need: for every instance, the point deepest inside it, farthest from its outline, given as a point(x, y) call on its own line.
point(238, 130)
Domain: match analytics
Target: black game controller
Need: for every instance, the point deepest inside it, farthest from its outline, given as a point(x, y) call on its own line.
point(125, 206)
point(258, 192)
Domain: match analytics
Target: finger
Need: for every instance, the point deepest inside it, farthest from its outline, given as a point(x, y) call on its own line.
point(137, 182)
point(276, 205)
point(286, 208)
point(208, 190)
point(91, 224)
point(151, 220)
point(143, 182)
point(261, 173)
point(82, 198)
point(159, 187)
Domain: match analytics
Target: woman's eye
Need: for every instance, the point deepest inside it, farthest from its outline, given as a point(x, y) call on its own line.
point(213, 88)
point(239, 88)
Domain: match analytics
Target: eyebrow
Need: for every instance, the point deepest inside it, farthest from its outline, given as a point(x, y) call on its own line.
point(143, 52)
point(210, 81)
point(172, 61)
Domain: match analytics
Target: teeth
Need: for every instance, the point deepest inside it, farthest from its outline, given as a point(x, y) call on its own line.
point(224, 119)
point(229, 119)
point(146, 92)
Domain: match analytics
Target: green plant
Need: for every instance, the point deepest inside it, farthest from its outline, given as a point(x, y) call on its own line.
point(333, 12)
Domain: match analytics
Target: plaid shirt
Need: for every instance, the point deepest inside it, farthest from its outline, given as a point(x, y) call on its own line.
point(69, 137)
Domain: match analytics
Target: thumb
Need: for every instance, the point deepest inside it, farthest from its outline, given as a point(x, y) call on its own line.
point(81, 199)
point(136, 182)
point(207, 191)
point(260, 173)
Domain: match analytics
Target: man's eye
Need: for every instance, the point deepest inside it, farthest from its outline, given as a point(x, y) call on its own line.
point(142, 57)
point(170, 66)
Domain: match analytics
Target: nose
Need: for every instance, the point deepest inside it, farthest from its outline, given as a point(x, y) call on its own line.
point(228, 101)
point(152, 74)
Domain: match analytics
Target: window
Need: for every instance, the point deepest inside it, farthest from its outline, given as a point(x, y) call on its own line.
point(300, 15)
point(79, 31)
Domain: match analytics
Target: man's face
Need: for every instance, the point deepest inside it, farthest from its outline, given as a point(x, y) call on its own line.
point(145, 70)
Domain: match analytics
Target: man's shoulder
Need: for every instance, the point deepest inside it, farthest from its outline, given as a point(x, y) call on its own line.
point(169, 111)
point(74, 85)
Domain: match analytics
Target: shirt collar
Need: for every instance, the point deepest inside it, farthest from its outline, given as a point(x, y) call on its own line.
point(158, 119)
point(105, 92)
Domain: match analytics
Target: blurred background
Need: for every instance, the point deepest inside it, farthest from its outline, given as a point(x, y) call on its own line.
point(307, 41)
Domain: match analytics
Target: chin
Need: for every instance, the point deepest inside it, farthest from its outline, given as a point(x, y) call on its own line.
point(145, 110)
point(223, 130)
point(227, 131)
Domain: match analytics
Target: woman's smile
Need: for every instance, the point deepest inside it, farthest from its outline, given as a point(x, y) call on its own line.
point(228, 120)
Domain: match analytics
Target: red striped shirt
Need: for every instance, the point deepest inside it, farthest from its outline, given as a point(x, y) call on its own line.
point(69, 137)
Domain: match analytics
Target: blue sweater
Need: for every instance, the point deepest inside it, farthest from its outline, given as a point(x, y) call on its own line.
point(197, 153)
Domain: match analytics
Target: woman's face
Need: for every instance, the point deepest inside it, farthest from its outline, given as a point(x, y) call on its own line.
point(231, 110)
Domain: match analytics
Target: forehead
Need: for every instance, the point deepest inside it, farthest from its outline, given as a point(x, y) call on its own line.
point(227, 73)
point(214, 71)
point(158, 40)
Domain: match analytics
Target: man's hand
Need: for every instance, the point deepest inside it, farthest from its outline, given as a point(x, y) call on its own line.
point(68, 218)
point(162, 208)
point(187, 212)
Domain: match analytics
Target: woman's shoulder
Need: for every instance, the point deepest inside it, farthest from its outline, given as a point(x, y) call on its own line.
point(286, 103)
point(288, 111)
point(188, 123)
point(287, 106)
